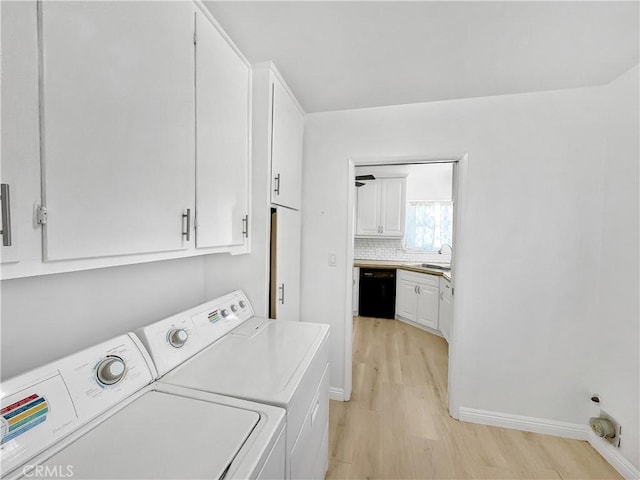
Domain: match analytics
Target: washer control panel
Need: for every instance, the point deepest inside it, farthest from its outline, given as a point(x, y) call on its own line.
point(215, 319)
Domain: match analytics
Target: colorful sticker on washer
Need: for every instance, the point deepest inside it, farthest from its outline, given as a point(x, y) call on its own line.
point(22, 416)
point(214, 316)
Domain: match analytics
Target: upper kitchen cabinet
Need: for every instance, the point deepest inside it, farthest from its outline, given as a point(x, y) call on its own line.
point(223, 90)
point(280, 128)
point(381, 205)
point(117, 127)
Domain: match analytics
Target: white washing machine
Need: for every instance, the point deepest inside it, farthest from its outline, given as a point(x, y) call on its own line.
point(98, 414)
point(221, 347)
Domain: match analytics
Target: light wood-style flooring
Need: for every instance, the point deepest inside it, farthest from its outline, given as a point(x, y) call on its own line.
point(397, 423)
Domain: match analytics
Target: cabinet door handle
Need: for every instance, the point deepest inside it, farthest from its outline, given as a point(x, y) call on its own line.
point(418, 289)
point(6, 214)
point(281, 288)
point(276, 188)
point(441, 295)
point(245, 226)
point(188, 217)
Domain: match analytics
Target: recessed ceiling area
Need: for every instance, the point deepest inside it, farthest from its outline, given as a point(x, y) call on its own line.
point(343, 55)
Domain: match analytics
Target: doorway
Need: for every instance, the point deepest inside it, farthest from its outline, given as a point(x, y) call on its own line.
point(459, 166)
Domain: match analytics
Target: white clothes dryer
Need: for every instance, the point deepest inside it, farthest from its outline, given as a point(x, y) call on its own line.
point(224, 349)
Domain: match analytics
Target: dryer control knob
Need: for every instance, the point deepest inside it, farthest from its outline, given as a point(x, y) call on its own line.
point(234, 308)
point(110, 370)
point(242, 303)
point(225, 313)
point(177, 337)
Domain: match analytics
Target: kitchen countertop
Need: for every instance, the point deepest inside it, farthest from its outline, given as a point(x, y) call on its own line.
point(402, 265)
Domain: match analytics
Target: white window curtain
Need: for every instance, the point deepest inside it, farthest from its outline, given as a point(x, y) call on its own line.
point(429, 225)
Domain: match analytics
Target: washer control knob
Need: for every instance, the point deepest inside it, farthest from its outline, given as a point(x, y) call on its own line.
point(177, 337)
point(242, 304)
point(225, 313)
point(234, 308)
point(110, 370)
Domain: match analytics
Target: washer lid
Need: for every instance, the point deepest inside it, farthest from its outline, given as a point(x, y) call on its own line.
point(160, 435)
point(265, 367)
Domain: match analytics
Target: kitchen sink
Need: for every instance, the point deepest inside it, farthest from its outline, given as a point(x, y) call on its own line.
point(434, 266)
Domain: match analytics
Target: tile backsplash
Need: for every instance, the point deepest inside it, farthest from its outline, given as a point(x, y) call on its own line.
point(392, 249)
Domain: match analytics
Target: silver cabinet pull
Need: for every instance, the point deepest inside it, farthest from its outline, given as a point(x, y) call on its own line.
point(276, 189)
point(281, 288)
point(188, 217)
point(6, 214)
point(245, 226)
point(415, 289)
point(418, 289)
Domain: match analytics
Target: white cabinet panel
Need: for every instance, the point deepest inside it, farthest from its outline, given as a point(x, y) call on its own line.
point(417, 298)
point(368, 209)
point(222, 139)
point(428, 305)
point(445, 314)
point(286, 148)
point(288, 265)
point(381, 208)
point(406, 302)
point(392, 207)
point(118, 126)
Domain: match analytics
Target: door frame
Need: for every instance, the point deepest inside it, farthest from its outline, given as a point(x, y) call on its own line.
point(458, 259)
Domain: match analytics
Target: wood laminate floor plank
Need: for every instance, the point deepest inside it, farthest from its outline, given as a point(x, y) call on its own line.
point(397, 424)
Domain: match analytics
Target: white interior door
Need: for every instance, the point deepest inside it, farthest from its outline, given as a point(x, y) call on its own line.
point(222, 139)
point(286, 149)
point(118, 130)
point(288, 265)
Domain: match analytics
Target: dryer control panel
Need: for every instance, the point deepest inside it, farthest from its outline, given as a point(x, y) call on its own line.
point(175, 339)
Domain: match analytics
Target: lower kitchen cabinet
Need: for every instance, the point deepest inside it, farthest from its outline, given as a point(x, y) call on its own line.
point(446, 308)
point(417, 297)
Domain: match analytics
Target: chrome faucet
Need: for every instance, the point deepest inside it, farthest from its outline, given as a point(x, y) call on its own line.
point(445, 245)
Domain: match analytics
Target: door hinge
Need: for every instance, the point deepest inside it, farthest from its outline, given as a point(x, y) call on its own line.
point(41, 215)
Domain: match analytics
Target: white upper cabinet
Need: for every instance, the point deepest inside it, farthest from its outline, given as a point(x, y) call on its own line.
point(286, 147)
point(118, 137)
point(381, 205)
point(223, 89)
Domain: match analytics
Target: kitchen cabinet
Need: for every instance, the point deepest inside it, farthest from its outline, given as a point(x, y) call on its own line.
point(286, 147)
point(381, 206)
point(355, 300)
point(446, 308)
point(417, 298)
point(285, 264)
point(118, 139)
point(223, 82)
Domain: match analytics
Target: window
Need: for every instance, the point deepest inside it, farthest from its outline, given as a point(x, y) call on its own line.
point(429, 225)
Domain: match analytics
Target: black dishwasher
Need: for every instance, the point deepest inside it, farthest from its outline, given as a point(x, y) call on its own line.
point(377, 293)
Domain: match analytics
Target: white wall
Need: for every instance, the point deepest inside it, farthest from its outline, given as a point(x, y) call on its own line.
point(528, 268)
point(48, 317)
point(431, 182)
point(616, 370)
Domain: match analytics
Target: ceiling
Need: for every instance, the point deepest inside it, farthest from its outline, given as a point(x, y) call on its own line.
point(342, 55)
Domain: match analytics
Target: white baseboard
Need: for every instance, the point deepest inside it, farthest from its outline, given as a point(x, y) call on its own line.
point(336, 394)
point(612, 455)
point(527, 424)
point(430, 330)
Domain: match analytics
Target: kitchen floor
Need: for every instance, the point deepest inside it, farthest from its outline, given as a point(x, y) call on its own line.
point(397, 424)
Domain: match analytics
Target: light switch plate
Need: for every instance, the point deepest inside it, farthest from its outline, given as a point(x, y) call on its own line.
point(332, 259)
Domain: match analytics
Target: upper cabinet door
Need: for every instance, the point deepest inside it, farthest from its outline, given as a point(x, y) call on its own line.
point(118, 126)
point(286, 148)
point(392, 206)
point(368, 209)
point(222, 145)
